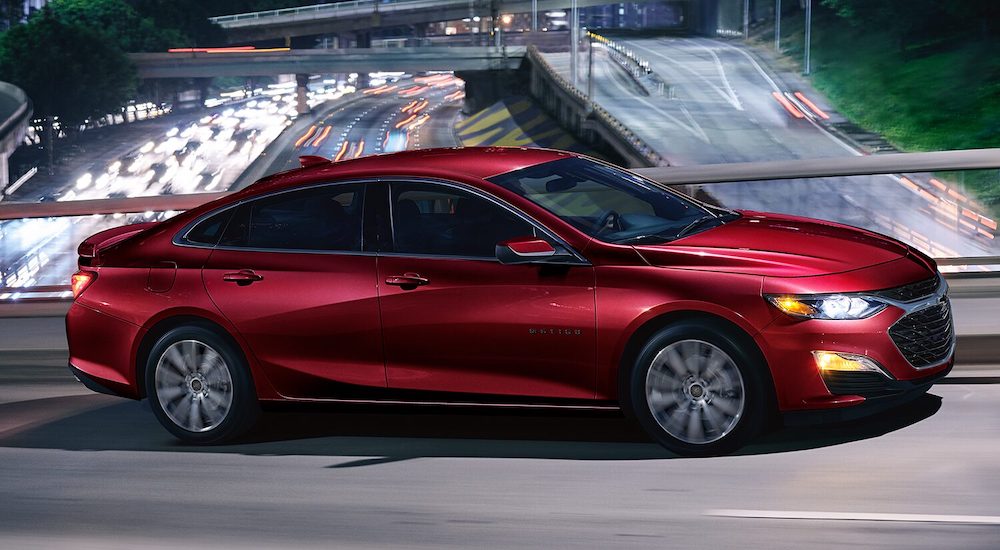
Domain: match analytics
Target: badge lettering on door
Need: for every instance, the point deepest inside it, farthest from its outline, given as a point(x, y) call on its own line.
point(556, 331)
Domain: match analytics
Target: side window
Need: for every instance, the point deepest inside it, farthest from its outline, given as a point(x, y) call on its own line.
point(327, 217)
point(210, 229)
point(436, 219)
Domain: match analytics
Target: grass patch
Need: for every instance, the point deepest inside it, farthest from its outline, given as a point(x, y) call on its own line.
point(925, 97)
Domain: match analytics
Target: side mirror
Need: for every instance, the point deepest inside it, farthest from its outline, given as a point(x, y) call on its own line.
point(523, 250)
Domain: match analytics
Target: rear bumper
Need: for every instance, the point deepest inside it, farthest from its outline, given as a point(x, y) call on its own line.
point(889, 394)
point(100, 353)
point(93, 384)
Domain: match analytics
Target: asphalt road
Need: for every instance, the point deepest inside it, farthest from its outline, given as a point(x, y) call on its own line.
point(377, 123)
point(82, 470)
point(43, 251)
point(717, 107)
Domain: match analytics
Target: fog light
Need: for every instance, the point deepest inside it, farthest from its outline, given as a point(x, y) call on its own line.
point(831, 361)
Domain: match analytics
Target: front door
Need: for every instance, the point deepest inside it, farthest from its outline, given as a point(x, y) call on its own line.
point(290, 274)
point(455, 319)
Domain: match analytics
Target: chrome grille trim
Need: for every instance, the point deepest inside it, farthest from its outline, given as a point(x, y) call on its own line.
point(920, 322)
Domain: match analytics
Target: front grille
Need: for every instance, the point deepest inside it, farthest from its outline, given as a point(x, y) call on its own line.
point(912, 291)
point(925, 337)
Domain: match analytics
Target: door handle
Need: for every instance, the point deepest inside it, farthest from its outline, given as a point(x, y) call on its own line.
point(407, 280)
point(242, 277)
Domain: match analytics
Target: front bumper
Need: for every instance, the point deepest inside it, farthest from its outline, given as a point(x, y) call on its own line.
point(888, 394)
point(912, 351)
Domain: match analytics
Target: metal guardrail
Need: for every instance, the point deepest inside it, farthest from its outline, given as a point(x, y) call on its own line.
point(21, 114)
point(131, 205)
point(707, 174)
point(641, 149)
point(227, 20)
point(895, 163)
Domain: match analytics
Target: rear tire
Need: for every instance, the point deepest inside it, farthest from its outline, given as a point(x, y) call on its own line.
point(696, 390)
point(199, 386)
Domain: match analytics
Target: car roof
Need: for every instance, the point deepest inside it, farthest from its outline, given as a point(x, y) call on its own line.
point(448, 163)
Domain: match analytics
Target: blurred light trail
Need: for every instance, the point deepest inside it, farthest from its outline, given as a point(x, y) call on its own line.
point(801, 97)
point(306, 136)
point(343, 150)
point(361, 149)
point(204, 50)
point(322, 137)
point(788, 105)
point(228, 49)
point(405, 121)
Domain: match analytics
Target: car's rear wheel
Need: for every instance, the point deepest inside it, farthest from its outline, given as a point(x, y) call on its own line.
point(696, 390)
point(199, 386)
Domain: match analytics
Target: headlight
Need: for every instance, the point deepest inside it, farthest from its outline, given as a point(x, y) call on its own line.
point(827, 306)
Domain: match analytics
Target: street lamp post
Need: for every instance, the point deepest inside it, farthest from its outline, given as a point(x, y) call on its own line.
point(808, 68)
point(590, 70)
point(534, 15)
point(574, 43)
point(777, 25)
point(746, 19)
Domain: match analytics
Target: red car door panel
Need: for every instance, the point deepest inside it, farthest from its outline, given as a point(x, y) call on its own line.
point(455, 319)
point(309, 317)
point(289, 273)
point(484, 327)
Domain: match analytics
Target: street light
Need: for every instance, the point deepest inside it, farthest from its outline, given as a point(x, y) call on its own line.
point(746, 19)
point(777, 25)
point(809, 12)
point(574, 43)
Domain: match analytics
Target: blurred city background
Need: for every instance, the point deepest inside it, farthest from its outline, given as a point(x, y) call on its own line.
point(121, 111)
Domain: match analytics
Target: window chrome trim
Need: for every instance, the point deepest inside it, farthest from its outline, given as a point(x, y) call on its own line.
point(390, 180)
point(180, 238)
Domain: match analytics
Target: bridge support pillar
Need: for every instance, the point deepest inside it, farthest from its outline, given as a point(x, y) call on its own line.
point(484, 88)
point(301, 99)
point(4, 172)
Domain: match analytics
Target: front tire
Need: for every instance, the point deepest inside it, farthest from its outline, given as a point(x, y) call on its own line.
point(697, 390)
point(199, 386)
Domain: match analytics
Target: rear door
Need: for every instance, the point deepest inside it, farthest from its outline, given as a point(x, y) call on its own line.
point(291, 274)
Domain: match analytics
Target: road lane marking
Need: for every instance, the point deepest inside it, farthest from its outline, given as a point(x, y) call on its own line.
point(729, 96)
point(854, 516)
point(695, 129)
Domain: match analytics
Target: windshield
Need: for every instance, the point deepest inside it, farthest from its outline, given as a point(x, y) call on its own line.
point(608, 203)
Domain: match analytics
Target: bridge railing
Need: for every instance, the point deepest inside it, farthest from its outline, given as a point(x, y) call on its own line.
point(319, 11)
point(20, 114)
point(105, 212)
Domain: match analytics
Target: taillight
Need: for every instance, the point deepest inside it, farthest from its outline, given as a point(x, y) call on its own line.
point(80, 281)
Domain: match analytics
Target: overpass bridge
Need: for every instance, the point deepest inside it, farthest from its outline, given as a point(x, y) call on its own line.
point(15, 113)
point(358, 15)
point(347, 60)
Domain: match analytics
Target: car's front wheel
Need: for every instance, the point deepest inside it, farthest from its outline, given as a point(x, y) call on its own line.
point(199, 386)
point(696, 390)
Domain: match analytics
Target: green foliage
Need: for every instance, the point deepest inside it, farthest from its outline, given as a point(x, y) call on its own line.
point(189, 18)
point(119, 22)
point(67, 69)
point(940, 91)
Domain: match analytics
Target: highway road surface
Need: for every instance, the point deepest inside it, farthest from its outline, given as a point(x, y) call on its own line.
point(82, 470)
point(207, 151)
point(718, 105)
point(410, 113)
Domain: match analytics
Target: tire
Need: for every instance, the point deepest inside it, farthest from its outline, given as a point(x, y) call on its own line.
point(696, 390)
point(212, 403)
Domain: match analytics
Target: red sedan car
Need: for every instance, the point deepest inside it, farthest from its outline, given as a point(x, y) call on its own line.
point(503, 277)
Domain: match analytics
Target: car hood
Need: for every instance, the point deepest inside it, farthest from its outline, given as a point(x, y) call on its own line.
point(775, 245)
